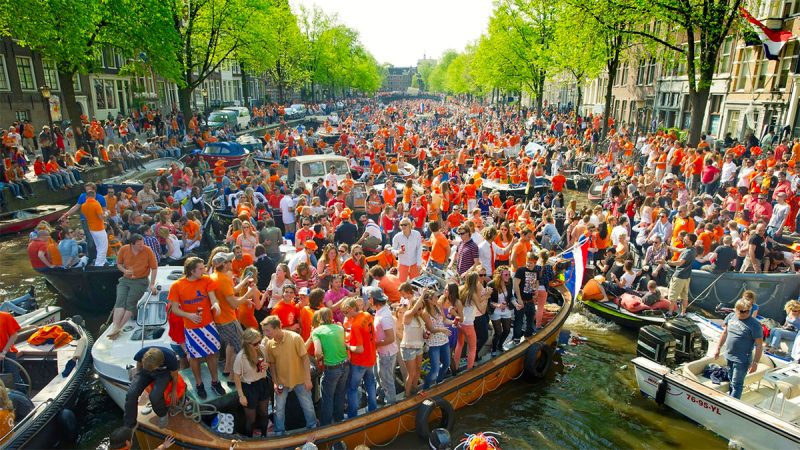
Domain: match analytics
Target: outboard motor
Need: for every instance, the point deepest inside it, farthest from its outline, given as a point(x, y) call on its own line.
point(689, 342)
point(656, 344)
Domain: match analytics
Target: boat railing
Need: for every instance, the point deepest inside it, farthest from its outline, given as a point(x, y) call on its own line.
point(19, 423)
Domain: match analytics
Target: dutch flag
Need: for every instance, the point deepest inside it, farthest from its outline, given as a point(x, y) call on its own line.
point(573, 275)
point(773, 40)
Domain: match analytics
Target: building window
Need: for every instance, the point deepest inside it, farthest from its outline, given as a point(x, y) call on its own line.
point(641, 72)
point(787, 62)
point(651, 72)
point(733, 123)
point(22, 115)
point(104, 94)
point(4, 84)
point(76, 82)
point(50, 74)
point(724, 65)
point(27, 81)
point(761, 73)
point(744, 69)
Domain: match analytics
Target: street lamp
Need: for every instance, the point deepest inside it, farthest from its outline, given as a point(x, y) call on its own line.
point(204, 92)
point(45, 90)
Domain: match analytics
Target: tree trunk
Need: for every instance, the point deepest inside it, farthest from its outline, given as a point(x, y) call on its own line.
point(612, 75)
point(540, 91)
point(185, 101)
point(698, 100)
point(245, 87)
point(578, 102)
point(70, 105)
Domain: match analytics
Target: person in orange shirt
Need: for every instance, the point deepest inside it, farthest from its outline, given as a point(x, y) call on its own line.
point(558, 181)
point(240, 261)
point(706, 237)
point(519, 253)
point(230, 331)
point(193, 298)
point(389, 193)
point(191, 234)
point(682, 223)
point(54, 255)
point(361, 346)
point(440, 247)
point(219, 170)
point(95, 220)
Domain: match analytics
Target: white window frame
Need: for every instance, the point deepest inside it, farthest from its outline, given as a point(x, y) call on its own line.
point(4, 73)
point(33, 73)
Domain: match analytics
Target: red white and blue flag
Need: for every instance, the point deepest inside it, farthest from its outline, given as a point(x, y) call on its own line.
point(573, 275)
point(773, 40)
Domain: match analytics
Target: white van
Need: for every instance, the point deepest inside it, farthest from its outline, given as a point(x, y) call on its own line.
point(243, 116)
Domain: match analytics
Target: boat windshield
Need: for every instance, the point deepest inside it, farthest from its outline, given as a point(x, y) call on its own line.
point(321, 168)
point(219, 116)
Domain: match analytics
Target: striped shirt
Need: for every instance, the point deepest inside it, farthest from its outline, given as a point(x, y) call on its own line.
point(467, 254)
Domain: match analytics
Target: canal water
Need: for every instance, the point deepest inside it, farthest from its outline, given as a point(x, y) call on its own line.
point(589, 401)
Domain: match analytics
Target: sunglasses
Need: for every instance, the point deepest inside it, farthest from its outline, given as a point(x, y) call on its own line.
point(481, 274)
point(342, 251)
point(404, 225)
point(357, 254)
point(257, 343)
point(743, 311)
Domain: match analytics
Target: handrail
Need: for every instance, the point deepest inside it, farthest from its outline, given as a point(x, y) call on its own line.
point(20, 422)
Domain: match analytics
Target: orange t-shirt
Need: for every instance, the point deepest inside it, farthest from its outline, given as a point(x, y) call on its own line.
point(407, 193)
point(240, 264)
point(389, 196)
point(519, 254)
point(305, 315)
point(224, 290)
point(440, 248)
point(141, 264)
point(706, 237)
point(287, 312)
point(470, 191)
point(111, 205)
point(219, 172)
point(362, 332)
point(245, 313)
point(91, 209)
point(9, 326)
point(558, 182)
point(53, 254)
point(192, 295)
point(191, 230)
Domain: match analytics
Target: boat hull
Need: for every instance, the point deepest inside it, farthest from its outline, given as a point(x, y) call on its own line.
point(380, 427)
point(47, 213)
point(748, 426)
point(230, 161)
point(91, 289)
point(620, 316)
point(771, 289)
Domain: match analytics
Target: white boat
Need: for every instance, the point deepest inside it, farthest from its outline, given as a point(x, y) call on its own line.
point(769, 411)
point(38, 317)
point(114, 359)
point(767, 416)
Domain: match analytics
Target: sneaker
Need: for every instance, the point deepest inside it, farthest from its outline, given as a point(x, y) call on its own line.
point(257, 433)
point(163, 421)
point(20, 197)
point(494, 353)
point(217, 388)
point(201, 391)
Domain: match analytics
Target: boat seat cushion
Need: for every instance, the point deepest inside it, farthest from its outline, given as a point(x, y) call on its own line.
point(694, 371)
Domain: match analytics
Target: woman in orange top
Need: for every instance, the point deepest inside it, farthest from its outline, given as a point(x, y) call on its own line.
point(503, 238)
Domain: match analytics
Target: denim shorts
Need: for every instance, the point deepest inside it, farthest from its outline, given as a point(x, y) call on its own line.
point(407, 354)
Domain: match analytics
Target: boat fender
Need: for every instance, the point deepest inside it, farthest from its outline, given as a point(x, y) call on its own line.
point(538, 359)
point(68, 426)
point(424, 412)
point(661, 391)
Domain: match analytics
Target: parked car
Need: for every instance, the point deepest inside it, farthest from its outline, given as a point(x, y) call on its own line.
point(222, 118)
point(301, 109)
point(242, 118)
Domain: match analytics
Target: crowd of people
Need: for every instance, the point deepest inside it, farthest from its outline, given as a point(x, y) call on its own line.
point(342, 300)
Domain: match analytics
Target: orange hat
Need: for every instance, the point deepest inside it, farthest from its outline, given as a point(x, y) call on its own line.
point(733, 190)
point(129, 190)
point(345, 214)
point(219, 162)
point(311, 245)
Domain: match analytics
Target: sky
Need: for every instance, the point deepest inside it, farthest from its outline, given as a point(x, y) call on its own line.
point(400, 32)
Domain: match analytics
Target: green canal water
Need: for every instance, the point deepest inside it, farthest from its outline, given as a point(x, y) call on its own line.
point(590, 401)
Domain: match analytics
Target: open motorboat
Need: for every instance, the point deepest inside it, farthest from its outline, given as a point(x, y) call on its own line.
point(41, 316)
point(625, 310)
point(135, 180)
point(53, 377)
point(113, 359)
point(767, 416)
point(27, 219)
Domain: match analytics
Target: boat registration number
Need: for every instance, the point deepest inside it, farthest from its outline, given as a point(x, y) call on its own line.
point(703, 404)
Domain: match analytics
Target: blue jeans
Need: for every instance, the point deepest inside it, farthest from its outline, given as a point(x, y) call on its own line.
point(776, 335)
point(526, 313)
point(357, 373)
point(334, 389)
point(737, 372)
point(15, 306)
point(304, 397)
point(440, 361)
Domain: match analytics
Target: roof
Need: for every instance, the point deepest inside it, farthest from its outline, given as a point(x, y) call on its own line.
point(312, 158)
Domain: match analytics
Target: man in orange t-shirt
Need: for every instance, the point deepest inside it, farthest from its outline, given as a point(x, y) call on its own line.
point(95, 220)
point(558, 181)
point(286, 310)
point(193, 299)
point(363, 354)
point(519, 254)
point(440, 247)
point(191, 234)
point(137, 262)
point(230, 331)
point(240, 261)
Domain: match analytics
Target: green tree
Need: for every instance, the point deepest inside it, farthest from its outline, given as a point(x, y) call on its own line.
point(72, 34)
